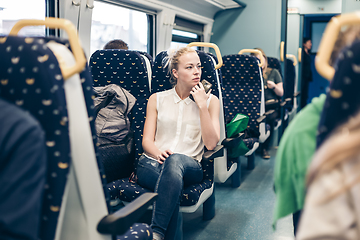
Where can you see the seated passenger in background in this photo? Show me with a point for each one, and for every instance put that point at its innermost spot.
(332, 207)
(274, 90)
(175, 133)
(22, 173)
(116, 44)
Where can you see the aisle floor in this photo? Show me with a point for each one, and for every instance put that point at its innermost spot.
(244, 212)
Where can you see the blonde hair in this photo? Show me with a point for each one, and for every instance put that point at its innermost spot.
(266, 60)
(340, 148)
(174, 59)
(346, 37)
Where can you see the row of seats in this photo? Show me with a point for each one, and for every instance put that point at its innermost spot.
(56, 103)
(241, 79)
(75, 203)
(127, 69)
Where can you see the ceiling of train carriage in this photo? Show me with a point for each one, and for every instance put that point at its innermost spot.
(206, 8)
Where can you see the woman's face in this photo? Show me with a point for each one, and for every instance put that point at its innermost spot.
(189, 69)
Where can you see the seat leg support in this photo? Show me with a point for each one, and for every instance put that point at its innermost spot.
(209, 207)
(251, 162)
(236, 176)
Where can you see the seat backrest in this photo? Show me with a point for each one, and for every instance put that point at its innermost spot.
(275, 63)
(342, 100)
(243, 88)
(87, 189)
(127, 69)
(31, 78)
(289, 83)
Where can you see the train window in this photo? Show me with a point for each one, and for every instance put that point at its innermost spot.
(10, 13)
(317, 30)
(185, 32)
(182, 38)
(110, 21)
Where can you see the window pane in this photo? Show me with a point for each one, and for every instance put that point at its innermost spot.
(184, 34)
(111, 22)
(318, 29)
(177, 45)
(12, 11)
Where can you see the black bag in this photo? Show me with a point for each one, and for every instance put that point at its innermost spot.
(115, 136)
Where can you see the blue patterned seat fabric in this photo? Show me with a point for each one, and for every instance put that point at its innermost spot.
(342, 100)
(289, 85)
(230, 161)
(30, 78)
(39, 89)
(137, 230)
(275, 63)
(127, 69)
(242, 90)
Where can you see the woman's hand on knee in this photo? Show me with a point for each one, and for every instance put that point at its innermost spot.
(163, 155)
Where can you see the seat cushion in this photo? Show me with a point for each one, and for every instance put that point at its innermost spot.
(127, 191)
(137, 231)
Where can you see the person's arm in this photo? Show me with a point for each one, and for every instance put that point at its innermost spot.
(148, 141)
(275, 83)
(209, 117)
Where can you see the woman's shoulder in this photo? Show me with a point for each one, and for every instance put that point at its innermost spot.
(162, 93)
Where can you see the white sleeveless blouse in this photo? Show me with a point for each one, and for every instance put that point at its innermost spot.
(178, 125)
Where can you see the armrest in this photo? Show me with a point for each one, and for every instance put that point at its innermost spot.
(232, 142)
(272, 103)
(263, 117)
(120, 221)
(269, 112)
(211, 154)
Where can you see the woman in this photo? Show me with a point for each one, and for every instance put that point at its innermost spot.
(175, 133)
(332, 207)
(273, 90)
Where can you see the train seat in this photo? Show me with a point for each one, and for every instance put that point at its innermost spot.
(225, 166)
(290, 89)
(196, 195)
(275, 64)
(193, 196)
(128, 64)
(243, 93)
(32, 79)
(129, 70)
(26, 82)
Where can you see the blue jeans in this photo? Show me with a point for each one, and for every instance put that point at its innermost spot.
(168, 180)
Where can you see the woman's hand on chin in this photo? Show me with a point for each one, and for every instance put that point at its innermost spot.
(199, 95)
